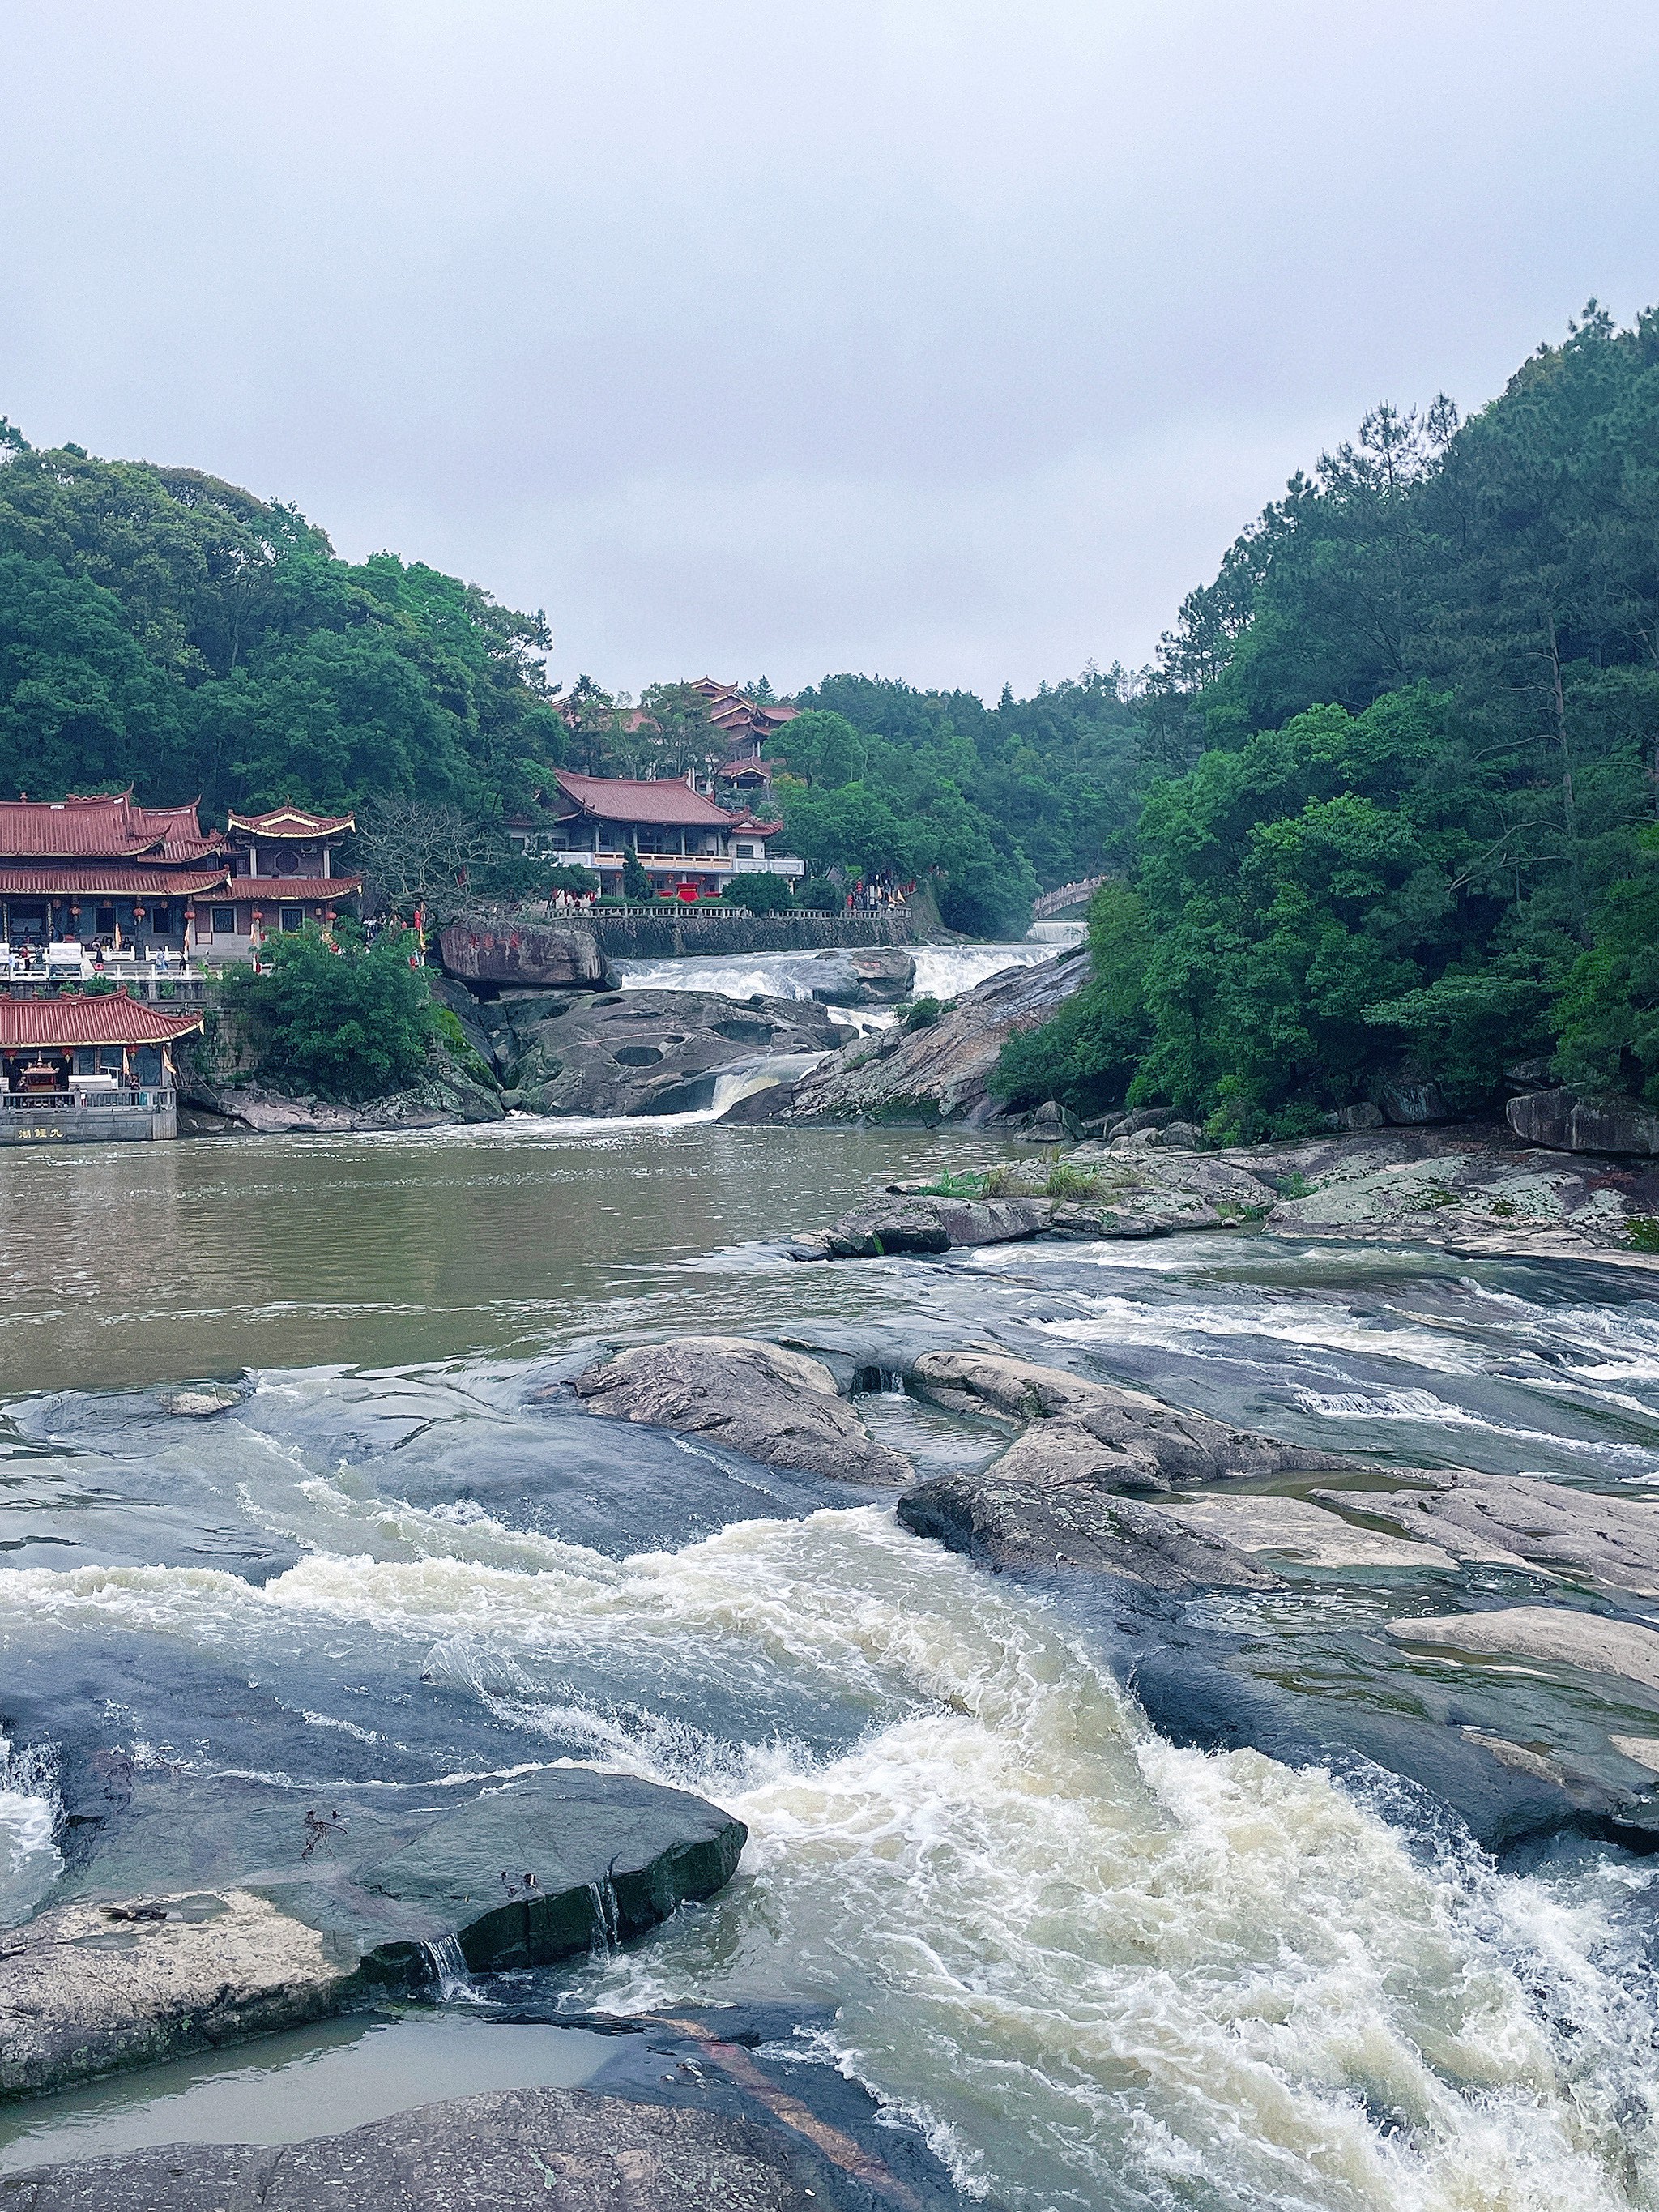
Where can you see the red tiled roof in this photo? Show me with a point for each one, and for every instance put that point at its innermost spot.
(105, 879)
(267, 890)
(622, 799)
(110, 1019)
(108, 826)
(292, 822)
(748, 766)
(753, 822)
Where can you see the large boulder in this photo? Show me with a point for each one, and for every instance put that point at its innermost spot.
(939, 1073)
(863, 975)
(1568, 1121)
(314, 1916)
(514, 949)
(1073, 1488)
(642, 1052)
(892, 1224)
(516, 2150)
(1409, 1101)
(753, 1397)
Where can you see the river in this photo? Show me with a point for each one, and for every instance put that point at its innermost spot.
(1097, 1970)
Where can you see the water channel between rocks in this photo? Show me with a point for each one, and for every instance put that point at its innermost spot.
(1099, 1970)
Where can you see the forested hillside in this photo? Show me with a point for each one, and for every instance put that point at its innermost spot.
(1420, 702)
(162, 629)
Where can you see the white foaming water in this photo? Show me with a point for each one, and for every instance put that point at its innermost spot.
(1101, 1971)
(943, 971)
(29, 1859)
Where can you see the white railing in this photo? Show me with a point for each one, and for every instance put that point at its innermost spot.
(153, 1101)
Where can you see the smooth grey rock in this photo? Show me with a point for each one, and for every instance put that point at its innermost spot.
(1552, 1633)
(865, 975)
(554, 2150)
(1566, 1121)
(1145, 1117)
(1294, 1529)
(1518, 1521)
(1364, 1115)
(1181, 1136)
(1055, 1497)
(753, 1397)
(86, 1988)
(885, 1225)
(515, 948)
(1073, 1524)
(523, 1873)
(938, 1073)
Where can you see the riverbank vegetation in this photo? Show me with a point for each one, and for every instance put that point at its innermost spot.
(1416, 721)
(344, 1020)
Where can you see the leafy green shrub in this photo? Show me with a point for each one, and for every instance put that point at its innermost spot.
(759, 894)
(1067, 1181)
(447, 1024)
(1642, 1233)
(348, 1020)
(966, 1183)
(1086, 1056)
(922, 1013)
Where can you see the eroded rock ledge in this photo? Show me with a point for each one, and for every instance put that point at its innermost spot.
(1082, 1485)
(106, 1981)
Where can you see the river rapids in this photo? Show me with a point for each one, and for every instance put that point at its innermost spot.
(1098, 1971)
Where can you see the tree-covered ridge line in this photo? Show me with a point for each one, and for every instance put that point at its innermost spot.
(1412, 732)
(163, 628)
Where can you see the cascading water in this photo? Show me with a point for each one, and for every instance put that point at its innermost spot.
(943, 971)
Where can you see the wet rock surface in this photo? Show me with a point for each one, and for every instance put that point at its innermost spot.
(937, 1073)
(639, 1052)
(1056, 1498)
(293, 1921)
(867, 976)
(1519, 1521)
(559, 2150)
(755, 1398)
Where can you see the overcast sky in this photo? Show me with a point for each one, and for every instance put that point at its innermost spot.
(932, 338)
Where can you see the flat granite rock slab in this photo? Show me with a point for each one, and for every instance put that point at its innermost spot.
(1292, 1528)
(772, 1405)
(1519, 1521)
(1554, 1634)
(85, 1988)
(556, 2150)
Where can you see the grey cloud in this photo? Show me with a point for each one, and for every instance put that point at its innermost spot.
(949, 339)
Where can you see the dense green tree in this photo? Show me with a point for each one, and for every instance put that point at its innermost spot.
(341, 1017)
(1411, 738)
(201, 640)
(821, 748)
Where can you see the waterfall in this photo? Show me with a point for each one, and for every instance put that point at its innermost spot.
(450, 1973)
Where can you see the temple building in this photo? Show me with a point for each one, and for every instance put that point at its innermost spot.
(282, 876)
(149, 882)
(689, 846)
(744, 779)
(82, 1069)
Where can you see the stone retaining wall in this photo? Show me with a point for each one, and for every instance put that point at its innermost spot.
(642, 935)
